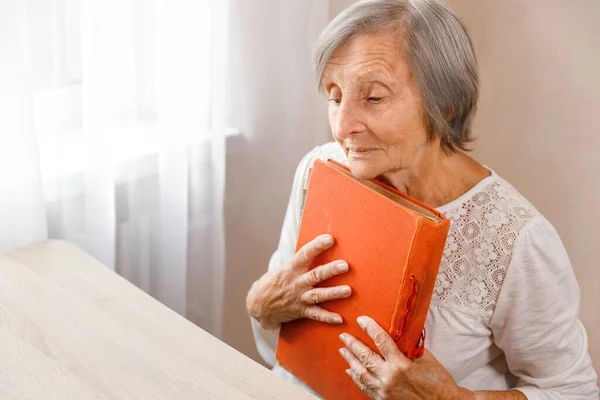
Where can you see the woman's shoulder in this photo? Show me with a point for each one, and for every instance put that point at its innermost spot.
(488, 225)
(493, 204)
(531, 228)
(507, 201)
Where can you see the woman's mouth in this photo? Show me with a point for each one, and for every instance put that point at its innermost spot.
(359, 152)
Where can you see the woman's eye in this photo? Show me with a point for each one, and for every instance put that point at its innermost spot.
(375, 99)
(336, 101)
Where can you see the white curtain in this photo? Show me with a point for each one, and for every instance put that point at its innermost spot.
(112, 136)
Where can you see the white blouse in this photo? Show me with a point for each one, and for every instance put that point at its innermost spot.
(504, 312)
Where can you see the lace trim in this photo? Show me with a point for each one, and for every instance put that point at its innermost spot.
(483, 232)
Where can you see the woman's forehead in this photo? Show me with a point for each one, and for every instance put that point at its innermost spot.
(366, 57)
(375, 70)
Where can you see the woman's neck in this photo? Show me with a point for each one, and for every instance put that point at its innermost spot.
(436, 177)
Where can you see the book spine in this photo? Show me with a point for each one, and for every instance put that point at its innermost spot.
(418, 284)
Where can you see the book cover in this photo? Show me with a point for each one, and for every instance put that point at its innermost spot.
(393, 245)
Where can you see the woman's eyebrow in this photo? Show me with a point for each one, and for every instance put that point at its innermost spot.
(368, 78)
(373, 78)
(376, 82)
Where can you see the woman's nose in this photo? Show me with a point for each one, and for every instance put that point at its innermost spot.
(347, 121)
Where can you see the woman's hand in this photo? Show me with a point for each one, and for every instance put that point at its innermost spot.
(288, 293)
(395, 376)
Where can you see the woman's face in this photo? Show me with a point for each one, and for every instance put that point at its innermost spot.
(375, 110)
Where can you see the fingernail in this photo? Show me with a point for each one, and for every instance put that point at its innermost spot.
(337, 320)
(361, 321)
(349, 372)
(344, 337)
(342, 350)
(327, 240)
(346, 290)
(342, 267)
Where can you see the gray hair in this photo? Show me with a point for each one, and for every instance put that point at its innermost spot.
(439, 53)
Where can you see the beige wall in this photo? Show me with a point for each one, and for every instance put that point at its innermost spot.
(538, 122)
(336, 6)
(275, 105)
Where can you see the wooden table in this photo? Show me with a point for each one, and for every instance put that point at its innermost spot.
(72, 329)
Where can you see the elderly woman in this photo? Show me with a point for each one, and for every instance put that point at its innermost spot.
(401, 79)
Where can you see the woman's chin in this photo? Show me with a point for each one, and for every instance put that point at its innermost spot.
(363, 170)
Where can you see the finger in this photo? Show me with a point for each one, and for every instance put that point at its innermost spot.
(370, 391)
(305, 256)
(317, 313)
(362, 373)
(362, 354)
(324, 272)
(321, 295)
(380, 337)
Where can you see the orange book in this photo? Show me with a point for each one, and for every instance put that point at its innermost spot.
(394, 246)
